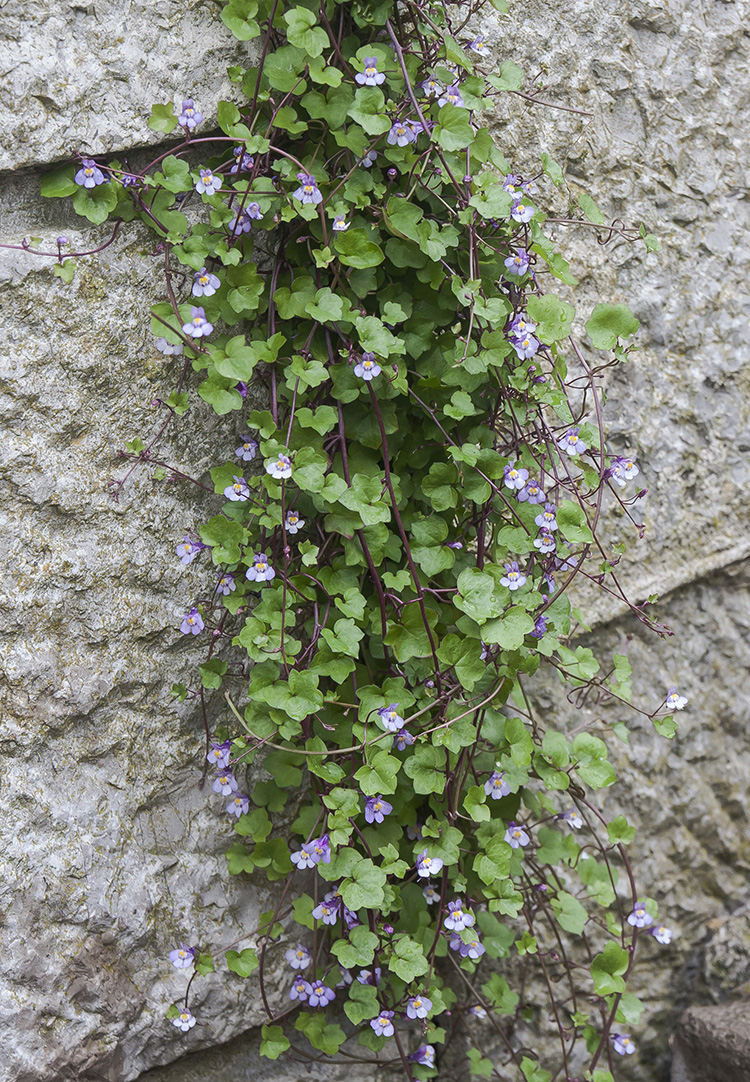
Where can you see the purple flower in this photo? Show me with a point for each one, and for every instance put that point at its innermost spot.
(225, 783)
(205, 284)
(511, 182)
(623, 1044)
(427, 866)
(478, 46)
(298, 957)
(474, 949)
(369, 159)
(484, 653)
(189, 118)
(431, 87)
(522, 212)
(340, 224)
(571, 442)
(346, 978)
(639, 918)
(293, 523)
(300, 990)
(520, 326)
(367, 976)
(540, 628)
(89, 175)
(451, 96)
(458, 918)
(187, 550)
(515, 478)
(390, 717)
(376, 809)
(513, 578)
(529, 187)
(415, 126)
(402, 739)
(260, 569)
(382, 1024)
(367, 368)
(546, 519)
(531, 492)
(192, 623)
(219, 754)
(414, 834)
(226, 584)
(308, 191)
(516, 836)
(675, 701)
(526, 346)
(280, 466)
(496, 786)
(248, 449)
(371, 76)
(244, 218)
(401, 134)
(182, 957)
(518, 264)
(209, 183)
(243, 161)
(573, 818)
(622, 470)
(431, 895)
(320, 994)
(239, 805)
(418, 1006)
(545, 542)
(661, 933)
(478, 1011)
(425, 1055)
(238, 491)
(313, 853)
(329, 914)
(185, 1020)
(167, 348)
(129, 180)
(198, 327)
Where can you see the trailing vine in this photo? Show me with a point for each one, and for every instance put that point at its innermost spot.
(392, 559)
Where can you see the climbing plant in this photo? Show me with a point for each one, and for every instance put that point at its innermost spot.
(393, 544)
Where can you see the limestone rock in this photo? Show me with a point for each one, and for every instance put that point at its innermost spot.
(711, 1044)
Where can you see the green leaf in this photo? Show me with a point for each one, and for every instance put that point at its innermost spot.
(358, 950)
(65, 271)
(610, 322)
(96, 204)
(552, 316)
(606, 969)
(379, 774)
(60, 183)
(509, 630)
(274, 1042)
(510, 77)
(355, 249)
(162, 118)
(426, 768)
(453, 130)
(479, 1064)
(570, 914)
(499, 994)
(572, 522)
(368, 110)
(408, 960)
(619, 830)
(303, 33)
(552, 169)
(362, 1003)
(479, 595)
(237, 16)
(590, 209)
(243, 962)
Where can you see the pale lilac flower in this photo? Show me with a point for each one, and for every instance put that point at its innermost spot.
(401, 134)
(402, 739)
(376, 808)
(329, 914)
(484, 652)
(89, 175)
(418, 1006)
(415, 126)
(571, 442)
(371, 75)
(390, 717)
(130, 180)
(474, 949)
(303, 858)
(478, 1011)
(531, 492)
(427, 866)
(205, 283)
(308, 191)
(540, 628)
(511, 182)
(243, 161)
(198, 327)
(478, 46)
(516, 836)
(298, 957)
(382, 1024)
(425, 1055)
(545, 542)
(458, 918)
(675, 701)
(518, 264)
(451, 96)
(431, 895)
(431, 87)
(515, 478)
(226, 584)
(346, 978)
(238, 491)
(167, 348)
(239, 805)
(513, 578)
(219, 754)
(300, 990)
(185, 1020)
(573, 818)
(209, 183)
(183, 956)
(187, 550)
(366, 976)
(192, 623)
(414, 834)
(661, 934)
(260, 569)
(320, 994)
(529, 187)
(522, 212)
(225, 783)
(525, 346)
(367, 368)
(640, 918)
(280, 466)
(546, 519)
(189, 118)
(293, 523)
(369, 159)
(340, 224)
(623, 1044)
(496, 786)
(247, 450)
(622, 470)
(521, 325)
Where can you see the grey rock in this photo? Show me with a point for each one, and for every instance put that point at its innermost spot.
(711, 1044)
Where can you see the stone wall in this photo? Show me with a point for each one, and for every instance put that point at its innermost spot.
(109, 852)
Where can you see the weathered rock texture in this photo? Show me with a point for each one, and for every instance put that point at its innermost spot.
(109, 852)
(711, 1044)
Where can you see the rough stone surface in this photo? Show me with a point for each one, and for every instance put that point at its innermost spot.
(711, 1044)
(109, 853)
